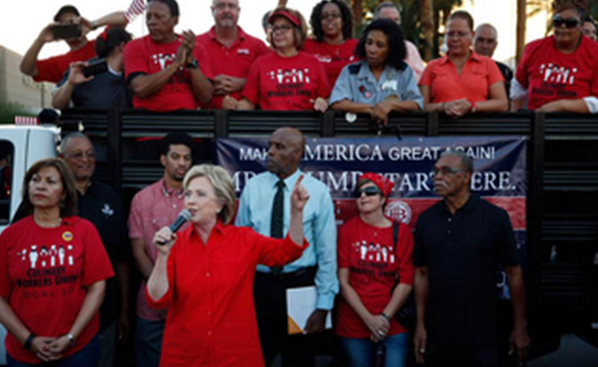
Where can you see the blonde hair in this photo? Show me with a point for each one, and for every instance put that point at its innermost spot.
(223, 187)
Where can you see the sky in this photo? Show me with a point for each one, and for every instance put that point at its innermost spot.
(26, 18)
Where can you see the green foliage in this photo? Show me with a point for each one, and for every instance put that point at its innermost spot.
(8, 110)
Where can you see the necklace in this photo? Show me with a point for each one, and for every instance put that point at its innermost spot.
(53, 224)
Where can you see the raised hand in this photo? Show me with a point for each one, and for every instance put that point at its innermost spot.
(299, 196)
(189, 43)
(76, 76)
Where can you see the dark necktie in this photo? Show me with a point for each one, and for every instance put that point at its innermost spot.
(277, 220)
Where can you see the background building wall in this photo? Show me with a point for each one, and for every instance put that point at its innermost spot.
(18, 88)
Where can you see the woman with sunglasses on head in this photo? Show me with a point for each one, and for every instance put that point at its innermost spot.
(286, 79)
(369, 265)
(331, 23)
(559, 73)
(462, 81)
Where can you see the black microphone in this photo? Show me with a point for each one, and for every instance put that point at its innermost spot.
(181, 219)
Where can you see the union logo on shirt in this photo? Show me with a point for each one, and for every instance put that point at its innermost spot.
(374, 252)
(42, 256)
(290, 76)
(67, 236)
(552, 73)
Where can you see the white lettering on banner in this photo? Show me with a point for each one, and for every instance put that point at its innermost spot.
(346, 181)
(370, 153)
(343, 152)
(253, 154)
(240, 178)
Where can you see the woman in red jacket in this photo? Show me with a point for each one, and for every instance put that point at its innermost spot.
(205, 275)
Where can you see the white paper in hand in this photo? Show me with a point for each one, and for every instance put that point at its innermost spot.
(301, 303)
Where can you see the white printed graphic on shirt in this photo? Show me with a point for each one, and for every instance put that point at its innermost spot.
(44, 257)
(374, 252)
(290, 76)
(560, 75)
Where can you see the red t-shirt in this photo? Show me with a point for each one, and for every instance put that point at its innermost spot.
(478, 74)
(145, 56)
(333, 57)
(286, 83)
(233, 61)
(53, 68)
(43, 275)
(374, 264)
(211, 314)
(550, 75)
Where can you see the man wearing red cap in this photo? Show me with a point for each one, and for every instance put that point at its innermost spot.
(231, 51)
(459, 243)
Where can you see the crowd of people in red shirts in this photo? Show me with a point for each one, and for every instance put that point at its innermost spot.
(378, 73)
(226, 68)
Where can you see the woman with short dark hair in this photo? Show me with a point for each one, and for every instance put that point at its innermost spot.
(53, 268)
(381, 82)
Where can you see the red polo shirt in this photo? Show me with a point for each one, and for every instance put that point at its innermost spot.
(478, 74)
(233, 61)
(211, 314)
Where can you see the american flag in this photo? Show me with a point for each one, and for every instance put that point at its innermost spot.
(26, 120)
(136, 8)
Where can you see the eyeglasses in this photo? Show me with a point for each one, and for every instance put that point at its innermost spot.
(331, 15)
(452, 34)
(572, 22)
(80, 155)
(488, 41)
(284, 28)
(368, 191)
(445, 170)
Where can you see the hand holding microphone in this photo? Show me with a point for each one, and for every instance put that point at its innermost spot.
(166, 237)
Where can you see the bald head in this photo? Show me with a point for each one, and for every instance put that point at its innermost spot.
(485, 39)
(285, 151)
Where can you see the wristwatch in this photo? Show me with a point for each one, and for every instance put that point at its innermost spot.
(71, 339)
(193, 64)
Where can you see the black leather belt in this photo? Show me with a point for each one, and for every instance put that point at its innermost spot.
(293, 274)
